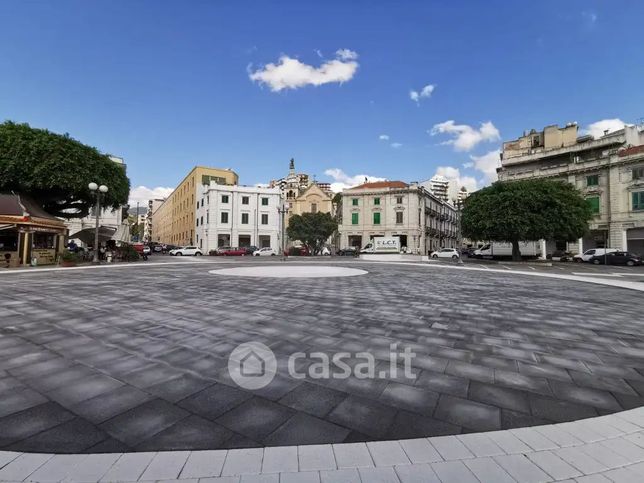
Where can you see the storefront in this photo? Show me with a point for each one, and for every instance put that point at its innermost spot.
(28, 234)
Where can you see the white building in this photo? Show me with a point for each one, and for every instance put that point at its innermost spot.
(153, 206)
(109, 218)
(237, 216)
(422, 221)
(438, 186)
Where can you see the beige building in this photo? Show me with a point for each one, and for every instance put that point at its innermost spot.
(393, 208)
(609, 171)
(174, 221)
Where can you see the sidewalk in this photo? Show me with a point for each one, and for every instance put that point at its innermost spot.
(606, 448)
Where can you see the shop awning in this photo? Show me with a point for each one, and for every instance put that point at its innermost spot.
(87, 236)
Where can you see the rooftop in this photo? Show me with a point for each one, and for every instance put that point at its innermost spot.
(381, 185)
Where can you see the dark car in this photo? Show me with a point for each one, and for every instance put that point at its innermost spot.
(347, 252)
(617, 258)
(251, 249)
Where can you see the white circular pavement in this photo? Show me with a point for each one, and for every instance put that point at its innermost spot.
(290, 271)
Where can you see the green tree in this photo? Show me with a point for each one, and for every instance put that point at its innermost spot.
(312, 229)
(526, 210)
(55, 170)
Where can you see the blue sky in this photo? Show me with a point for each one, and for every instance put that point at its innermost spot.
(168, 85)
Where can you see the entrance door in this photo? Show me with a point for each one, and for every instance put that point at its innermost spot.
(244, 240)
(355, 241)
(264, 241)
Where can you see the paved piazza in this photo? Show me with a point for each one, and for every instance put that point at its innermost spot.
(135, 358)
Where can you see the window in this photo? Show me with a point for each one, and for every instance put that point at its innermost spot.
(245, 200)
(592, 180)
(354, 201)
(638, 173)
(197, 221)
(224, 217)
(207, 217)
(638, 200)
(593, 202)
(399, 217)
(376, 201)
(354, 218)
(202, 202)
(399, 200)
(314, 208)
(264, 201)
(202, 220)
(44, 241)
(376, 218)
(224, 198)
(244, 219)
(264, 219)
(9, 241)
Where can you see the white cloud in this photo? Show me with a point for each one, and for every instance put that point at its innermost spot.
(290, 73)
(468, 165)
(343, 181)
(597, 129)
(396, 145)
(425, 92)
(346, 54)
(487, 164)
(589, 17)
(143, 194)
(384, 137)
(464, 137)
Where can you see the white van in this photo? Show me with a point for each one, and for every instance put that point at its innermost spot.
(592, 252)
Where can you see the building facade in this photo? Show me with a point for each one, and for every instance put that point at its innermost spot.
(174, 221)
(393, 208)
(609, 171)
(438, 186)
(153, 206)
(238, 216)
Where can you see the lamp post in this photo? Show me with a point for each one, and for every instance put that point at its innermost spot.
(97, 191)
(460, 234)
(282, 211)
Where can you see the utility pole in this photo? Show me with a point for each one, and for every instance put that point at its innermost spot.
(282, 211)
(460, 233)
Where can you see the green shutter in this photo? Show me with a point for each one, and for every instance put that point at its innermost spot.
(376, 201)
(376, 218)
(593, 203)
(354, 218)
(638, 200)
(354, 201)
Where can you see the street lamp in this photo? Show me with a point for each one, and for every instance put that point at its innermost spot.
(282, 211)
(97, 191)
(460, 233)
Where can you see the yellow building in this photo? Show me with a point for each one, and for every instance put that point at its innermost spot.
(174, 222)
(312, 200)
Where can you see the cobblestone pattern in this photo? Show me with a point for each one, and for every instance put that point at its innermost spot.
(136, 360)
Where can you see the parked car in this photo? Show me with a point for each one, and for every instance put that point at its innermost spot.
(142, 249)
(264, 252)
(251, 249)
(231, 252)
(588, 254)
(617, 258)
(187, 251)
(347, 252)
(446, 253)
(302, 250)
(325, 251)
(157, 248)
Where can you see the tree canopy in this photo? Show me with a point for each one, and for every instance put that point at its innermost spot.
(55, 170)
(312, 229)
(535, 209)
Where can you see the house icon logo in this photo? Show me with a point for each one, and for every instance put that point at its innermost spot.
(252, 365)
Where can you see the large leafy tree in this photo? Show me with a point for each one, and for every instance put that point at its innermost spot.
(516, 211)
(55, 170)
(312, 229)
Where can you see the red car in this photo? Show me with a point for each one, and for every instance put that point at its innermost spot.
(231, 252)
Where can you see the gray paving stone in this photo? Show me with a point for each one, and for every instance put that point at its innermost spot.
(553, 465)
(387, 453)
(214, 401)
(75, 436)
(521, 468)
(23, 466)
(340, 476)
(451, 448)
(313, 399)
(165, 466)
(499, 396)
(378, 475)
(364, 415)
(21, 425)
(411, 398)
(487, 470)
(243, 461)
(453, 471)
(421, 473)
(470, 414)
(190, 433)
(305, 429)
(301, 477)
(107, 405)
(92, 468)
(352, 455)
(443, 383)
(255, 418)
(203, 464)
(316, 457)
(129, 467)
(280, 460)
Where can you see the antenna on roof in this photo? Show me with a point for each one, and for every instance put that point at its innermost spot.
(366, 180)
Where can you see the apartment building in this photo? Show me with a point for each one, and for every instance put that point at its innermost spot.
(393, 208)
(238, 216)
(174, 221)
(608, 170)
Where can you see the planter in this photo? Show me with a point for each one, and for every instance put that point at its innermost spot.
(67, 263)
